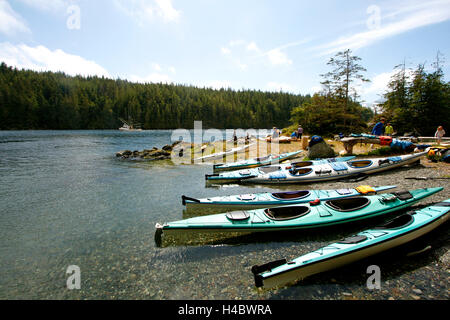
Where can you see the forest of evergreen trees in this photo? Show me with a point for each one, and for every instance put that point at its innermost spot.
(47, 100)
(415, 101)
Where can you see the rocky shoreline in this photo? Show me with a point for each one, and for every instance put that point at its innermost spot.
(148, 154)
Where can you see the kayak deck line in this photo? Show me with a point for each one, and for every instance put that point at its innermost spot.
(395, 232)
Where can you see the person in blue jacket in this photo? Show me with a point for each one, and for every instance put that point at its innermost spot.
(378, 129)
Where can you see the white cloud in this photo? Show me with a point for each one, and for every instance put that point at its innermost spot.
(41, 58)
(277, 57)
(10, 22)
(225, 51)
(245, 53)
(407, 17)
(157, 75)
(253, 47)
(379, 83)
(156, 67)
(166, 10)
(143, 11)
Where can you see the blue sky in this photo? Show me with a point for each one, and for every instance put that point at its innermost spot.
(246, 44)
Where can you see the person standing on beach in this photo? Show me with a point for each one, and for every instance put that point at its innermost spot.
(378, 129)
(275, 133)
(389, 131)
(439, 134)
(299, 132)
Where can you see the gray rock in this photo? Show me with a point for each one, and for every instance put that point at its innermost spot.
(320, 150)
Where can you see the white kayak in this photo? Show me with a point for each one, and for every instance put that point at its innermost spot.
(256, 162)
(220, 155)
(238, 175)
(331, 171)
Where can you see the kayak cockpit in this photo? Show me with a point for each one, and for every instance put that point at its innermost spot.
(286, 213)
(300, 171)
(397, 223)
(357, 164)
(293, 195)
(348, 204)
(302, 164)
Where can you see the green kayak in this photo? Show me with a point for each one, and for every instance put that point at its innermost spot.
(307, 215)
(396, 232)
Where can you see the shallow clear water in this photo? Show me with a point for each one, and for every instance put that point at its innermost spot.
(67, 200)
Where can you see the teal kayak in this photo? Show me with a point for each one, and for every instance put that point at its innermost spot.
(301, 216)
(256, 162)
(252, 173)
(276, 199)
(396, 232)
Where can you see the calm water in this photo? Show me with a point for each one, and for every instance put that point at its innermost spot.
(66, 200)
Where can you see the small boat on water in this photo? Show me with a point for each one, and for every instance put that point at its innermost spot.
(220, 155)
(316, 172)
(239, 175)
(129, 126)
(301, 216)
(396, 232)
(276, 199)
(256, 162)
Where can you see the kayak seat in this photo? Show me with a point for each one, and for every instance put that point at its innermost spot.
(396, 223)
(293, 195)
(360, 163)
(300, 171)
(269, 169)
(302, 164)
(354, 239)
(403, 195)
(237, 215)
(348, 204)
(287, 213)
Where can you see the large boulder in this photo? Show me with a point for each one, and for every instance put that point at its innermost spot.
(320, 150)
